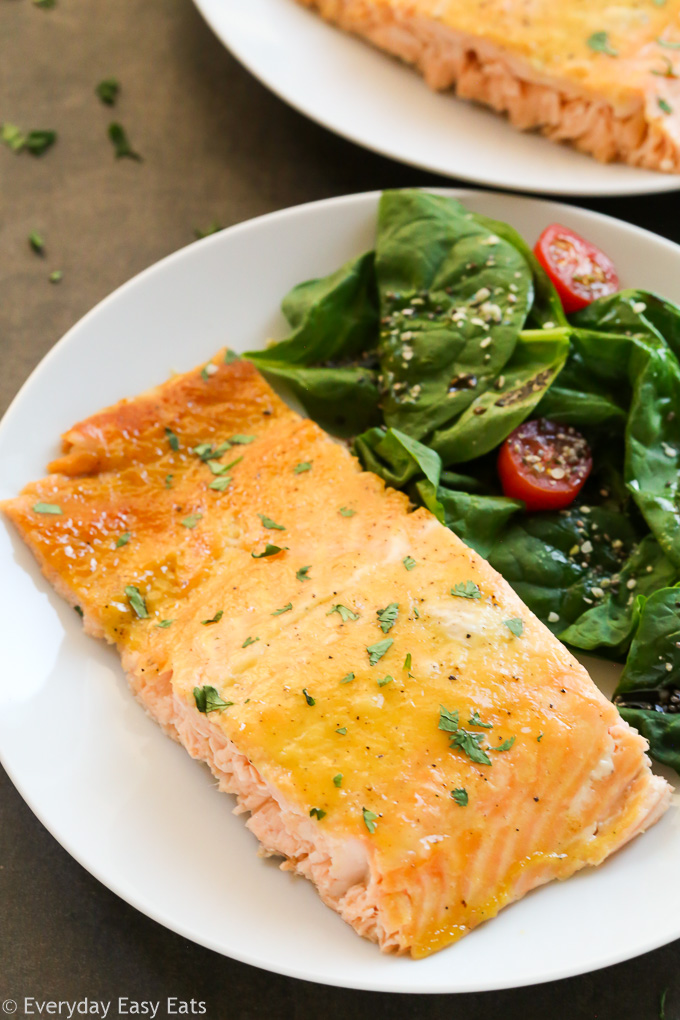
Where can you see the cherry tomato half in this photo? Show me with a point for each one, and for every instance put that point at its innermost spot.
(545, 464)
(580, 271)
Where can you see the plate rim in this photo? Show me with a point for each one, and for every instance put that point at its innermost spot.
(139, 902)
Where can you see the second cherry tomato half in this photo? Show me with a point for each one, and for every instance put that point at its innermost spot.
(580, 271)
(545, 464)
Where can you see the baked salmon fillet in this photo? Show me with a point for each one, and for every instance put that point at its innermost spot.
(602, 76)
(399, 726)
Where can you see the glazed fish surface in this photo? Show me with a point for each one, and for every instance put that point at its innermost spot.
(602, 76)
(399, 726)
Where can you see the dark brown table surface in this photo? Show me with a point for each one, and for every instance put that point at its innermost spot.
(217, 146)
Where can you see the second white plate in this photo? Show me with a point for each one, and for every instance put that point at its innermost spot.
(369, 98)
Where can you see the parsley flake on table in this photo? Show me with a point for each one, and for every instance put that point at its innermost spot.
(337, 780)
(505, 746)
(467, 590)
(267, 522)
(515, 626)
(346, 511)
(474, 720)
(214, 619)
(107, 90)
(284, 609)
(136, 601)
(387, 617)
(385, 680)
(208, 700)
(164, 624)
(172, 439)
(56, 276)
(47, 508)
(347, 678)
(220, 484)
(304, 465)
(269, 550)
(344, 612)
(121, 143)
(79, 611)
(213, 228)
(370, 818)
(599, 43)
(12, 136)
(249, 641)
(191, 520)
(460, 796)
(45, 4)
(448, 721)
(301, 574)
(123, 539)
(37, 242)
(308, 697)
(409, 562)
(342, 730)
(319, 812)
(36, 142)
(376, 651)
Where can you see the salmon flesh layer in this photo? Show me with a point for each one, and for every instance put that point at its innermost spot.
(402, 730)
(602, 76)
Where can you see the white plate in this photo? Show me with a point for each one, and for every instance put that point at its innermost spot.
(376, 101)
(129, 804)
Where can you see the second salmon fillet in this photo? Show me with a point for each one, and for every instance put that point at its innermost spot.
(402, 730)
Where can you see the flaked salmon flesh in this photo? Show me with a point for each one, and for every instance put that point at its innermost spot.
(332, 660)
(604, 77)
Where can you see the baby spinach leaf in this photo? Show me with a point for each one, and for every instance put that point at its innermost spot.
(581, 408)
(453, 298)
(537, 359)
(478, 520)
(397, 458)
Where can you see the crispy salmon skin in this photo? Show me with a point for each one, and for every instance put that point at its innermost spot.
(402, 730)
(599, 75)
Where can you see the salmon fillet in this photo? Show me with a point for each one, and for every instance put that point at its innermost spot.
(399, 726)
(602, 76)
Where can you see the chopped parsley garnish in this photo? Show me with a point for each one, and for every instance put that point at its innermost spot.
(214, 619)
(308, 697)
(242, 440)
(460, 796)
(474, 720)
(46, 4)
(219, 469)
(79, 611)
(669, 71)
(208, 371)
(415, 612)
(347, 678)
(136, 601)
(301, 574)
(663, 105)
(108, 90)
(269, 550)
(467, 590)
(387, 617)
(12, 136)
(347, 512)
(407, 662)
(342, 730)
(370, 818)
(319, 812)
(206, 450)
(539, 738)
(337, 780)
(172, 439)
(213, 228)
(409, 562)
(469, 745)
(267, 522)
(37, 242)
(515, 626)
(47, 508)
(121, 143)
(376, 651)
(55, 276)
(344, 612)
(168, 481)
(220, 484)
(448, 721)
(304, 465)
(230, 356)
(164, 624)
(123, 539)
(284, 609)
(191, 520)
(505, 746)
(208, 700)
(599, 42)
(385, 680)
(36, 142)
(668, 44)
(249, 641)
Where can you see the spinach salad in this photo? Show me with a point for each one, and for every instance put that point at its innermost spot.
(429, 351)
